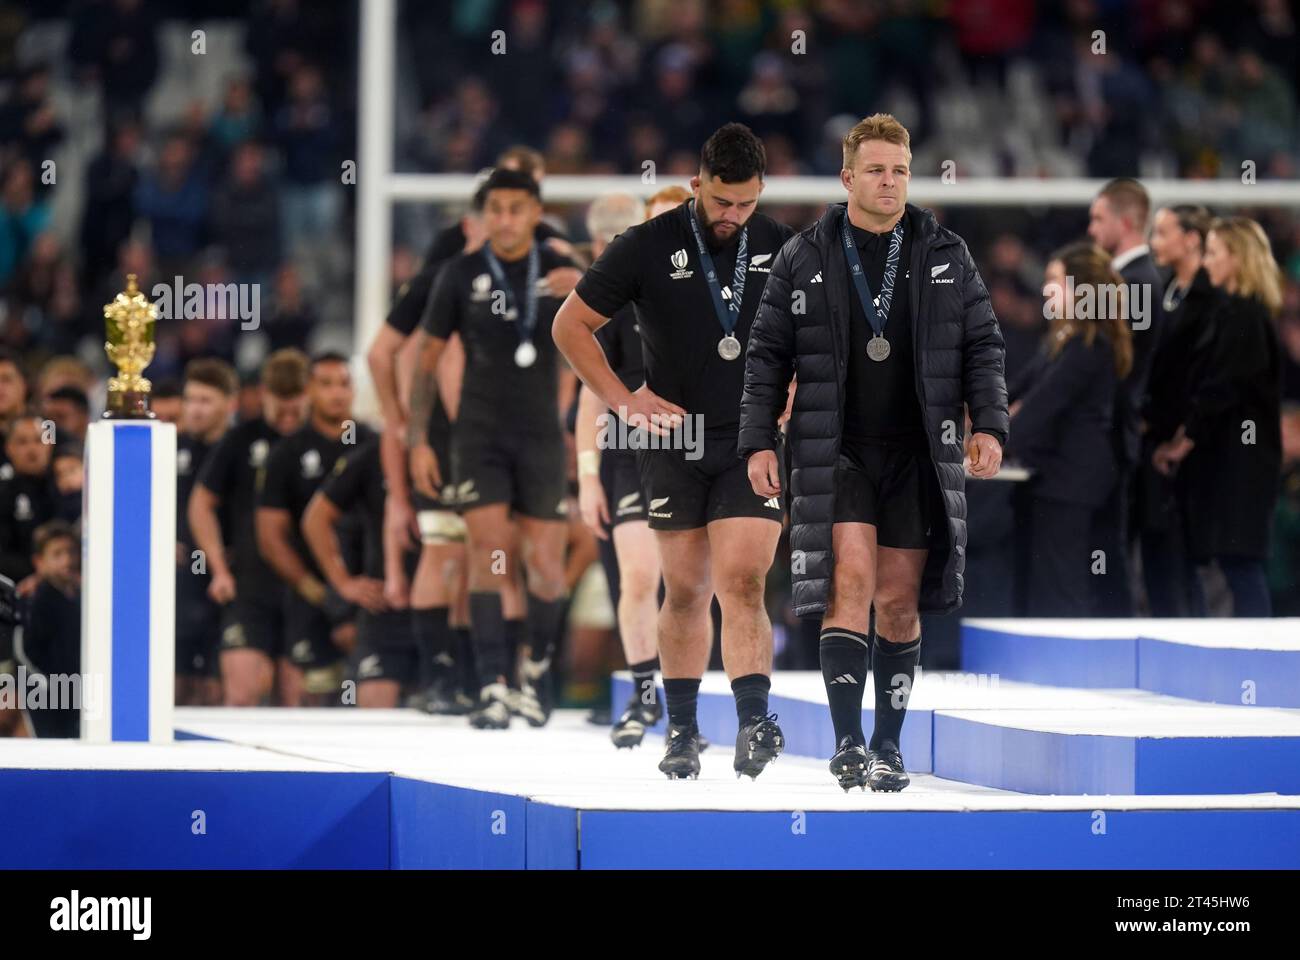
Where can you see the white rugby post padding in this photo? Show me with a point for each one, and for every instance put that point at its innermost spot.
(128, 576)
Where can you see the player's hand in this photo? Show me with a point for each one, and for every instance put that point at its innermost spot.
(221, 589)
(764, 473)
(344, 636)
(559, 283)
(985, 455)
(399, 522)
(645, 408)
(27, 585)
(365, 592)
(425, 474)
(1172, 452)
(593, 506)
(397, 591)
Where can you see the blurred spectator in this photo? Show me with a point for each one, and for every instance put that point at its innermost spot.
(174, 199)
(246, 216)
(60, 372)
(51, 639)
(27, 122)
(13, 392)
(69, 410)
(27, 498)
(22, 217)
(308, 137)
(69, 470)
(115, 46)
(109, 208)
(44, 301)
(1230, 438)
(1062, 407)
(239, 119)
(293, 318)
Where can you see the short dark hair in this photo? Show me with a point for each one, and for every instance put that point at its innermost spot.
(51, 531)
(733, 154)
(328, 356)
(213, 372)
(74, 395)
(503, 179)
(1128, 196)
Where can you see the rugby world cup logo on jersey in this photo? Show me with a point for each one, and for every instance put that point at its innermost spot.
(622, 430)
(679, 261)
(257, 452)
(311, 464)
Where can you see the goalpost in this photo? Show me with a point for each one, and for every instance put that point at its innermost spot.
(381, 187)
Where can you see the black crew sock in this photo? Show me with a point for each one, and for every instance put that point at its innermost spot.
(643, 680)
(466, 659)
(894, 666)
(844, 656)
(751, 692)
(547, 618)
(515, 630)
(435, 643)
(489, 630)
(681, 694)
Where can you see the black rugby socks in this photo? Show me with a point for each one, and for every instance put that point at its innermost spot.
(893, 665)
(844, 655)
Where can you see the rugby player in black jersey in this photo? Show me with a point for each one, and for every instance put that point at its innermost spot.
(507, 446)
(207, 403)
(696, 276)
(384, 662)
(436, 594)
(314, 615)
(222, 509)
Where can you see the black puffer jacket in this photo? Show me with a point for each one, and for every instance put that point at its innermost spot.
(802, 328)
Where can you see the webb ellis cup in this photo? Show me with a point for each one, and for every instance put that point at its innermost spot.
(129, 320)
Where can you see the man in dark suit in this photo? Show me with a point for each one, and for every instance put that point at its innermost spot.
(1117, 222)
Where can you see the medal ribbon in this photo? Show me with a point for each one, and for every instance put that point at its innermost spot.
(875, 318)
(728, 313)
(528, 319)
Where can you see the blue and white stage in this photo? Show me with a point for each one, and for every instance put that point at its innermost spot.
(1063, 747)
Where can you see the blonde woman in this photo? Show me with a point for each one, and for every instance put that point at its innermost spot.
(1062, 419)
(1229, 447)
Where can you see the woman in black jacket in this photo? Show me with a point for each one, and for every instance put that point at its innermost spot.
(1062, 416)
(1229, 446)
(1190, 300)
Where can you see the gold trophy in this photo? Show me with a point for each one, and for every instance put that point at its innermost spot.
(130, 323)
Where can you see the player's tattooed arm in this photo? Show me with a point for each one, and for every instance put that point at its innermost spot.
(426, 473)
(424, 390)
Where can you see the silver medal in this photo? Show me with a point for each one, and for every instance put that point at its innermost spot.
(525, 354)
(877, 348)
(729, 347)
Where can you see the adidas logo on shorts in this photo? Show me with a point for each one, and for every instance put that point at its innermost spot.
(773, 502)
